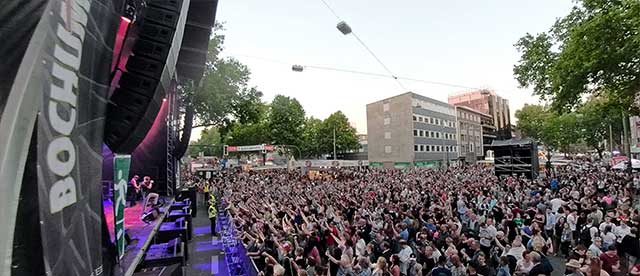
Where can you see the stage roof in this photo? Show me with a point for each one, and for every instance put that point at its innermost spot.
(512, 142)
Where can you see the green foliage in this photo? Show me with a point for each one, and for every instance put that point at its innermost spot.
(346, 137)
(597, 115)
(561, 131)
(595, 49)
(223, 97)
(589, 123)
(311, 138)
(208, 143)
(286, 121)
(248, 134)
(531, 120)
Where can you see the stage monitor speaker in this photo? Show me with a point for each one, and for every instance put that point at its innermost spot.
(170, 270)
(151, 215)
(136, 101)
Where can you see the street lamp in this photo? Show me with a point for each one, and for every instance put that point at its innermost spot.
(344, 28)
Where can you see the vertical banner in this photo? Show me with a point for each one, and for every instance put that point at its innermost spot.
(73, 75)
(121, 164)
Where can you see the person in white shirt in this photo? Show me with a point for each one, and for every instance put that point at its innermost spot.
(607, 222)
(404, 255)
(487, 234)
(621, 230)
(550, 222)
(595, 247)
(556, 203)
(572, 220)
(608, 238)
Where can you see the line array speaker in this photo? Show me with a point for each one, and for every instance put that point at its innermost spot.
(137, 99)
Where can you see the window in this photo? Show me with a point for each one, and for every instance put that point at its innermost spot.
(387, 135)
(415, 147)
(431, 120)
(433, 134)
(438, 148)
(433, 148)
(426, 148)
(471, 147)
(385, 107)
(414, 118)
(415, 132)
(421, 133)
(387, 149)
(421, 147)
(387, 121)
(420, 119)
(437, 135)
(437, 121)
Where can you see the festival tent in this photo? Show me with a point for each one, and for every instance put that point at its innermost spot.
(635, 163)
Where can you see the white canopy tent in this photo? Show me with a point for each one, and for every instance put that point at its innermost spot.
(635, 164)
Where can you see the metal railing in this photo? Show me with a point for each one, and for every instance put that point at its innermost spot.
(234, 251)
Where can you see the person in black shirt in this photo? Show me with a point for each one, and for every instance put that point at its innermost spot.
(482, 266)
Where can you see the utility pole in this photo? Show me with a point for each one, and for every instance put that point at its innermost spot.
(626, 142)
(610, 139)
(334, 144)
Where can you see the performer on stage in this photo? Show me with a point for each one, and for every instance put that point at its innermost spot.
(133, 191)
(145, 187)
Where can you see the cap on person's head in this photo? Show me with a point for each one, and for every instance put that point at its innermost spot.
(403, 242)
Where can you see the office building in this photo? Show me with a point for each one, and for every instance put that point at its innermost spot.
(487, 101)
(488, 131)
(411, 130)
(470, 145)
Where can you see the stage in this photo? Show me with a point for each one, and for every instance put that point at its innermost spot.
(206, 252)
(137, 229)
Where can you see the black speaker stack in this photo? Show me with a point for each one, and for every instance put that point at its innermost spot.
(516, 157)
(139, 94)
(170, 243)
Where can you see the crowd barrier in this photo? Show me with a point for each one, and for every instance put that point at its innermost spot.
(234, 252)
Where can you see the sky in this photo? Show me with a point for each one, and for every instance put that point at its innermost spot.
(463, 42)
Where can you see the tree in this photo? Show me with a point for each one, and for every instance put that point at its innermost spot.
(555, 131)
(592, 50)
(597, 115)
(208, 143)
(345, 134)
(248, 134)
(561, 131)
(221, 98)
(311, 146)
(286, 121)
(531, 120)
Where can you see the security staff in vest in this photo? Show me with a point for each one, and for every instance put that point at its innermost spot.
(213, 213)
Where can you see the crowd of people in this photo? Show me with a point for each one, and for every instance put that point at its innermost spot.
(454, 221)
